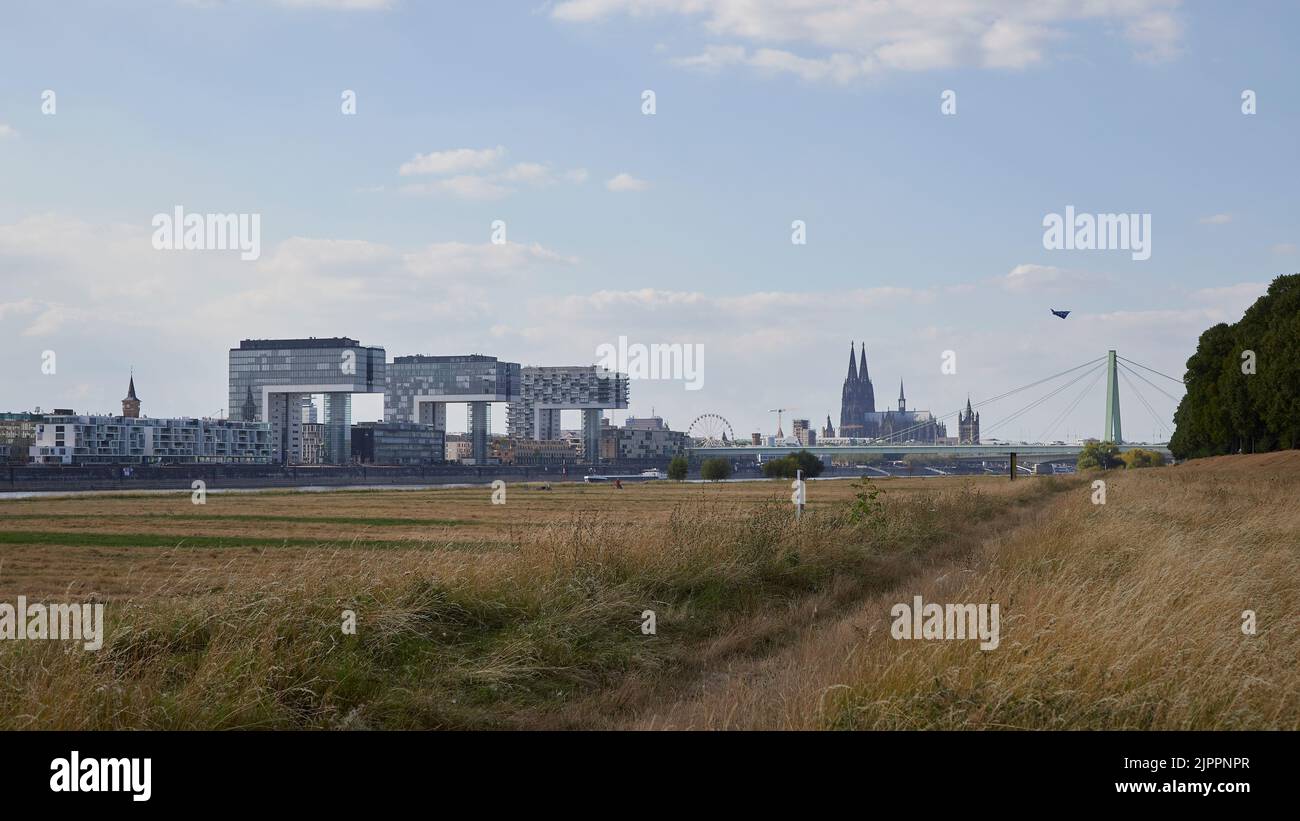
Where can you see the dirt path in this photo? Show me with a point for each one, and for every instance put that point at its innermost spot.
(753, 675)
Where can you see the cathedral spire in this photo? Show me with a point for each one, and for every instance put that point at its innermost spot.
(862, 371)
(902, 403)
(853, 365)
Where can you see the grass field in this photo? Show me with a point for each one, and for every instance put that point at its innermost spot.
(529, 614)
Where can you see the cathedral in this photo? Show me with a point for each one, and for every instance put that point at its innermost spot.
(859, 418)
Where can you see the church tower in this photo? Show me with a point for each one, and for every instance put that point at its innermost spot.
(851, 399)
(902, 403)
(868, 390)
(968, 426)
(249, 410)
(131, 404)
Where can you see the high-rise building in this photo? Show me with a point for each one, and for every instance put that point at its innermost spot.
(270, 377)
(802, 430)
(418, 389)
(546, 391)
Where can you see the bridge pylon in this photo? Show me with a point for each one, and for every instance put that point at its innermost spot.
(1112, 425)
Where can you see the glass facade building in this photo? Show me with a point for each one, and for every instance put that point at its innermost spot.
(419, 387)
(270, 377)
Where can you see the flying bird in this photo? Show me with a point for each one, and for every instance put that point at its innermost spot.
(1061, 314)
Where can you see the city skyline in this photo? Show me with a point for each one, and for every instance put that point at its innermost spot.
(924, 231)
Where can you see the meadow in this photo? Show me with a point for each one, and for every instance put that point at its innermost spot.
(532, 614)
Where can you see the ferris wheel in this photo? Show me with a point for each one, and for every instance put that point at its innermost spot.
(711, 430)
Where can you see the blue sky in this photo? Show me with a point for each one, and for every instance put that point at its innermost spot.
(924, 230)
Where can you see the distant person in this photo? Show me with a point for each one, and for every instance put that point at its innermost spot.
(618, 484)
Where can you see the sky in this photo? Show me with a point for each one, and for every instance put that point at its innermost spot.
(924, 223)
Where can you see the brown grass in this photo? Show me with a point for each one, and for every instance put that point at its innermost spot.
(528, 614)
(1123, 616)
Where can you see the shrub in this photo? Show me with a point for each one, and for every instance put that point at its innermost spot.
(678, 468)
(716, 469)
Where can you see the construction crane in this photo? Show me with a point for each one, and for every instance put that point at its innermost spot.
(780, 434)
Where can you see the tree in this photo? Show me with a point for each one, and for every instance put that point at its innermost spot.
(788, 466)
(1142, 458)
(1099, 455)
(715, 469)
(678, 467)
(1228, 408)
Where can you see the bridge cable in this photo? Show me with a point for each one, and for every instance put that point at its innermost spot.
(893, 437)
(1153, 370)
(1073, 405)
(1039, 401)
(1172, 398)
(1159, 422)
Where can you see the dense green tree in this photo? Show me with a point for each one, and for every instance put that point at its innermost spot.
(715, 470)
(678, 467)
(1229, 410)
(788, 466)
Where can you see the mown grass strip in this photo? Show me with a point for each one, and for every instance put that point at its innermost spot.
(381, 521)
(83, 539)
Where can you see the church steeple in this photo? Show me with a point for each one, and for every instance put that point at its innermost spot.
(853, 364)
(862, 371)
(131, 404)
(902, 403)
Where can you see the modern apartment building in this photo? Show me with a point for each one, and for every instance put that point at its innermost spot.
(546, 391)
(270, 377)
(89, 440)
(643, 438)
(418, 389)
(17, 434)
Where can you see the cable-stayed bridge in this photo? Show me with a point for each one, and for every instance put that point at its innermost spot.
(1112, 367)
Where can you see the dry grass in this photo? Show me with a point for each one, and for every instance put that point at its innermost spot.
(505, 633)
(1123, 616)
(528, 614)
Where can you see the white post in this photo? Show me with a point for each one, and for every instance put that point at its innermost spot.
(800, 495)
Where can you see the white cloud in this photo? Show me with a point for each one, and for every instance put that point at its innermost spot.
(626, 182)
(455, 161)
(465, 186)
(842, 40)
(1284, 248)
(1028, 277)
(1216, 219)
(475, 174)
(7, 131)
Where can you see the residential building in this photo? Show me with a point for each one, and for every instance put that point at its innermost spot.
(86, 440)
